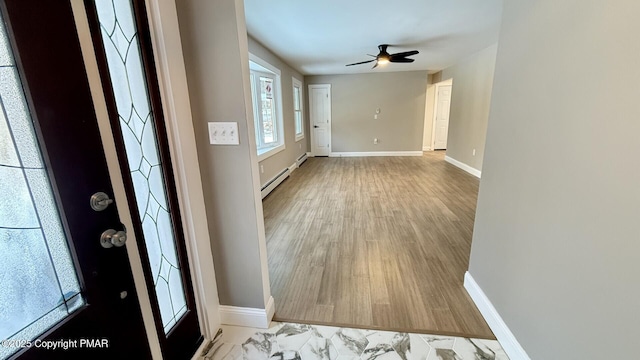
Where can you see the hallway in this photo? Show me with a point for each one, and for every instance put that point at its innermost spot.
(374, 242)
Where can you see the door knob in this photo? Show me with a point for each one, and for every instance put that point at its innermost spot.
(111, 238)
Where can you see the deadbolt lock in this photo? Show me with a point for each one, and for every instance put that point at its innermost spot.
(100, 201)
(111, 238)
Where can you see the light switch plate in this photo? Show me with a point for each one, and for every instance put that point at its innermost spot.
(223, 133)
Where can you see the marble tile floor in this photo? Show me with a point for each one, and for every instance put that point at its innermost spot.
(289, 341)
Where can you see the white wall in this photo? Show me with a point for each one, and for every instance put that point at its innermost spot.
(556, 245)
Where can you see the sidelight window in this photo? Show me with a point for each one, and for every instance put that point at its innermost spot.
(138, 126)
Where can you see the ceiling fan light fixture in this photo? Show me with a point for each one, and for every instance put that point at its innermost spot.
(384, 57)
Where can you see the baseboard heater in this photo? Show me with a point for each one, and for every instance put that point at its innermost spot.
(273, 183)
(302, 159)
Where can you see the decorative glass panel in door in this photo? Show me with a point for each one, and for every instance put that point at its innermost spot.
(57, 282)
(39, 285)
(130, 85)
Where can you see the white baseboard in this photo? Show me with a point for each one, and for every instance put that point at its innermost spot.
(473, 171)
(248, 317)
(301, 159)
(309, 154)
(506, 338)
(426, 148)
(375, 153)
(293, 167)
(273, 183)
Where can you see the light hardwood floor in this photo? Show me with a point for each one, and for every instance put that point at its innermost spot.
(374, 242)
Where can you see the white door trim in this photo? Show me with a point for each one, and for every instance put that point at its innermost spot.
(172, 80)
(435, 109)
(312, 133)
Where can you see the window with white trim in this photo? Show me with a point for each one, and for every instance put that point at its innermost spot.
(297, 108)
(267, 105)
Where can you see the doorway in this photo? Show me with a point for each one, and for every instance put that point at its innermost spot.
(320, 119)
(441, 113)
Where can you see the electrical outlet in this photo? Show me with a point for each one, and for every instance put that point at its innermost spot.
(261, 169)
(299, 146)
(474, 152)
(375, 141)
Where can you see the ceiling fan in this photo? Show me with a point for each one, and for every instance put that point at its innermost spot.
(384, 57)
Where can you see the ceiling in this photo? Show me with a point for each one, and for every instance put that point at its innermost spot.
(319, 37)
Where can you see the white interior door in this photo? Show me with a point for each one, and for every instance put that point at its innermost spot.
(320, 114)
(443, 104)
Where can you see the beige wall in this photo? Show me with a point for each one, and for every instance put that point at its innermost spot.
(436, 78)
(470, 102)
(556, 245)
(354, 100)
(216, 59)
(275, 164)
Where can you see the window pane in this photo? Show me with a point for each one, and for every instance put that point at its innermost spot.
(297, 108)
(269, 134)
(122, 48)
(298, 115)
(38, 280)
(296, 98)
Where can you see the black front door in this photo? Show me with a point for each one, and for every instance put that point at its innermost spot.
(64, 293)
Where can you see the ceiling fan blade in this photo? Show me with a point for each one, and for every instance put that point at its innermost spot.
(405, 54)
(375, 65)
(401, 60)
(361, 62)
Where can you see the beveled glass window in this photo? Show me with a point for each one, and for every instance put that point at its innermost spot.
(38, 282)
(137, 124)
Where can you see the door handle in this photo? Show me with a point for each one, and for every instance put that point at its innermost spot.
(316, 126)
(111, 238)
